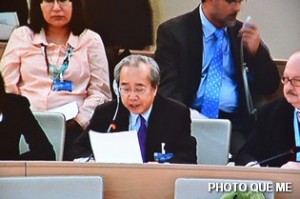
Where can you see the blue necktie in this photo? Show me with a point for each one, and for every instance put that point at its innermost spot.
(211, 99)
(142, 135)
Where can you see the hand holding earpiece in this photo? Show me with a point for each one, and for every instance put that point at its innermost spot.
(250, 36)
(248, 22)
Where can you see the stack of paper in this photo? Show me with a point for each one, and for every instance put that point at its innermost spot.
(117, 147)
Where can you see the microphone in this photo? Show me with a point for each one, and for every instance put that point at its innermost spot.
(291, 151)
(116, 90)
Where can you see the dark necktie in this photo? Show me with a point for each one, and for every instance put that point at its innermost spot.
(142, 135)
(211, 99)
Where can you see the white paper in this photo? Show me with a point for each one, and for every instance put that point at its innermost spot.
(197, 115)
(70, 110)
(117, 147)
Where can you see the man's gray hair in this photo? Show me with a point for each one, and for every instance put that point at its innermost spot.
(134, 61)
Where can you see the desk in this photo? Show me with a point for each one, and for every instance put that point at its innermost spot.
(150, 181)
(12, 168)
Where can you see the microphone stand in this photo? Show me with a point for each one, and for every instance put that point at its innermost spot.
(115, 87)
(116, 90)
(291, 151)
(115, 115)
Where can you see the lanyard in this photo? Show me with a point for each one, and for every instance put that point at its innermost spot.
(297, 133)
(65, 64)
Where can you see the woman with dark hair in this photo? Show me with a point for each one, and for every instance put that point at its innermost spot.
(56, 62)
(16, 119)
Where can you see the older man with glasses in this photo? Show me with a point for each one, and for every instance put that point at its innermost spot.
(276, 138)
(157, 119)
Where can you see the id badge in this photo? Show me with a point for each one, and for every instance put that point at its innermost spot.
(62, 85)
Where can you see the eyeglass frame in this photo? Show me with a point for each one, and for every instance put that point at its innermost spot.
(59, 2)
(295, 82)
(140, 90)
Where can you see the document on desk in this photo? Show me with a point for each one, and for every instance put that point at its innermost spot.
(117, 147)
(69, 110)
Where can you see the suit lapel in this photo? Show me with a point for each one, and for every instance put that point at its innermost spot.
(195, 50)
(235, 47)
(235, 43)
(155, 129)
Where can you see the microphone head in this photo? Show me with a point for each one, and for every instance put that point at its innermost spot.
(113, 126)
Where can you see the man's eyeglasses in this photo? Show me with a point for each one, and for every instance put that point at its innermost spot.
(294, 82)
(60, 2)
(138, 90)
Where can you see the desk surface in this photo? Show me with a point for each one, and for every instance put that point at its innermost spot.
(12, 168)
(131, 181)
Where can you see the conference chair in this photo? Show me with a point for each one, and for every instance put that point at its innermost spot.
(198, 188)
(53, 125)
(51, 187)
(213, 140)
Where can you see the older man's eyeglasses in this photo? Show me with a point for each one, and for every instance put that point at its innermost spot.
(138, 90)
(60, 2)
(294, 81)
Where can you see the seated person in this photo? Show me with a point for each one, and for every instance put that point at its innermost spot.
(167, 121)
(55, 61)
(16, 119)
(185, 52)
(277, 125)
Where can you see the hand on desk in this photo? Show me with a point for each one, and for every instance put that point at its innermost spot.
(84, 159)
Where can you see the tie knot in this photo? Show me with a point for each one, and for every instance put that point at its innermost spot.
(219, 33)
(142, 119)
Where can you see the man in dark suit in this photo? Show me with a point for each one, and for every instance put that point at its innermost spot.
(186, 47)
(277, 125)
(167, 120)
(16, 119)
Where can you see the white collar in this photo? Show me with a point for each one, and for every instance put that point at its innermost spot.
(133, 116)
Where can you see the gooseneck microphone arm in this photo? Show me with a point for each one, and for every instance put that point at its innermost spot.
(291, 151)
(116, 90)
(115, 115)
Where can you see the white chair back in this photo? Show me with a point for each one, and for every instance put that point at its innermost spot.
(213, 140)
(53, 125)
(202, 188)
(52, 187)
